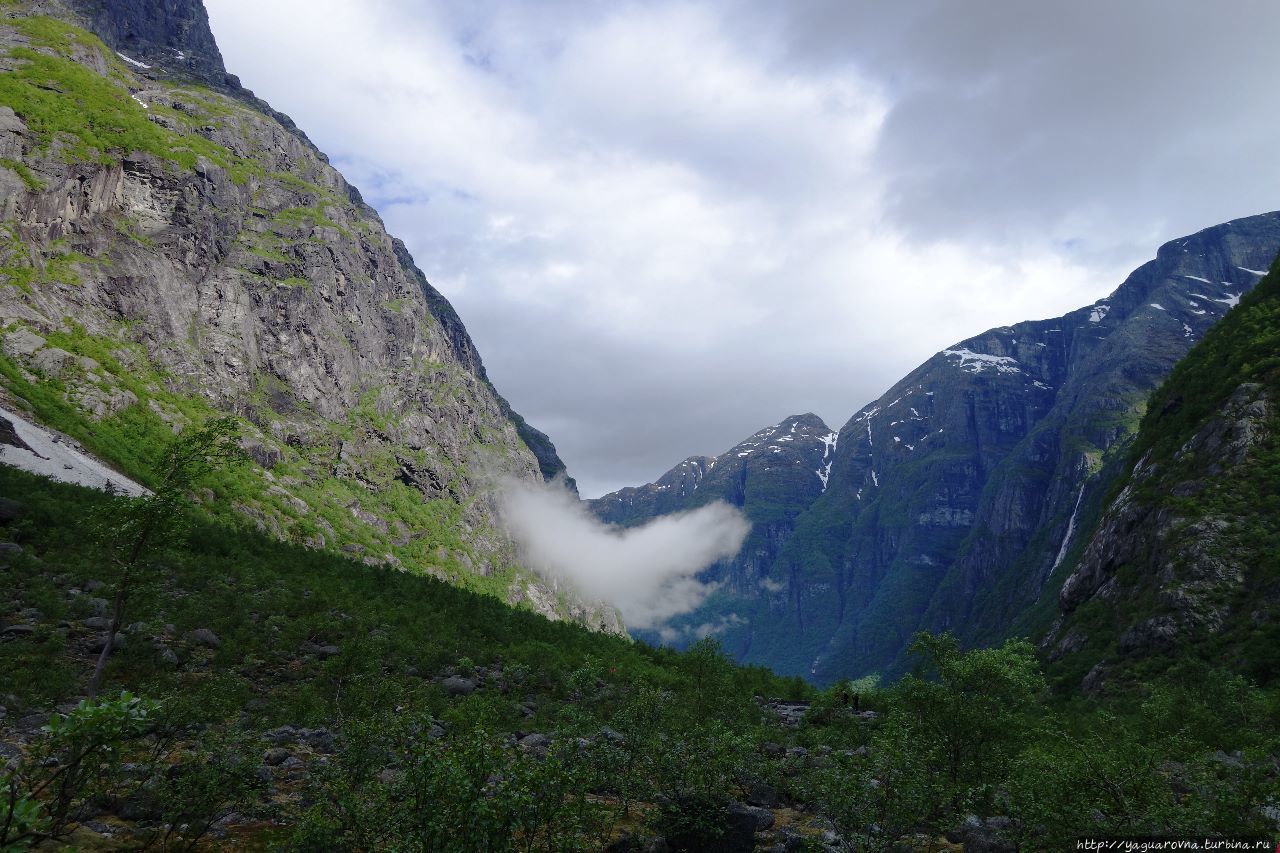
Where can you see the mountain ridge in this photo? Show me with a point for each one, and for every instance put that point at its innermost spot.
(958, 496)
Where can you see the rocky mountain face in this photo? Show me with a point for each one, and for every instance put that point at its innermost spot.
(1186, 559)
(956, 500)
(772, 476)
(171, 251)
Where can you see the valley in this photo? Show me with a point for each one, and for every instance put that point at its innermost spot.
(262, 589)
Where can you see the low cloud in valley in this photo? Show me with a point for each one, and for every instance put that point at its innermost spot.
(648, 573)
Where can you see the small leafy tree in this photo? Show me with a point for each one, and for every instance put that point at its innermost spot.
(131, 532)
(976, 711)
(75, 754)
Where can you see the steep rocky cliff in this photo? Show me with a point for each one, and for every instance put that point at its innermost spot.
(172, 251)
(955, 500)
(1186, 559)
(772, 475)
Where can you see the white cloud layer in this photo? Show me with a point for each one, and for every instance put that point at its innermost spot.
(647, 572)
(669, 223)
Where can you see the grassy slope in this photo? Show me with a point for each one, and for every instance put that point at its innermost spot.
(1244, 347)
(266, 601)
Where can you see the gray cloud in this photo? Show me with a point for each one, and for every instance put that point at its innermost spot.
(647, 572)
(667, 224)
(1098, 122)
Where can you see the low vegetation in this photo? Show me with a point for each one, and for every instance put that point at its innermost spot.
(310, 702)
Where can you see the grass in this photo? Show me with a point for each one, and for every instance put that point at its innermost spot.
(86, 116)
(28, 177)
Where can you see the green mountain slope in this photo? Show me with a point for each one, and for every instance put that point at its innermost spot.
(170, 252)
(1186, 560)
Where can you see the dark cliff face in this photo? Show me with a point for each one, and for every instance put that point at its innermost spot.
(171, 40)
(174, 34)
(956, 500)
(1184, 560)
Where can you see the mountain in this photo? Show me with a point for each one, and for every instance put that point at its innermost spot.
(954, 501)
(173, 249)
(1185, 561)
(772, 475)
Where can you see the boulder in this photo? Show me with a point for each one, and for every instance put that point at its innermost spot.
(275, 756)
(535, 743)
(763, 795)
(456, 685)
(204, 637)
(9, 510)
(100, 643)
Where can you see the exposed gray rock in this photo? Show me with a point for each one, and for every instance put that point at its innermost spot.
(99, 643)
(275, 756)
(271, 291)
(455, 685)
(535, 743)
(204, 637)
(1186, 564)
(9, 510)
(763, 795)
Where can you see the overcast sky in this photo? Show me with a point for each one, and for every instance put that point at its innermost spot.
(669, 224)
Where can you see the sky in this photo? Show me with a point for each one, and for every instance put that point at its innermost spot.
(670, 224)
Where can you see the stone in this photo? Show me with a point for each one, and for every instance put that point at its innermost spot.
(96, 623)
(535, 743)
(281, 735)
(275, 756)
(761, 818)
(9, 550)
(22, 343)
(984, 836)
(99, 643)
(9, 510)
(320, 740)
(739, 827)
(456, 685)
(31, 722)
(204, 637)
(320, 651)
(762, 794)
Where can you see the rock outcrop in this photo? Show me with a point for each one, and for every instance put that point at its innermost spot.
(1183, 561)
(171, 252)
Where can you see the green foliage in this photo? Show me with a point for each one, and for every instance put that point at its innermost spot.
(33, 183)
(90, 116)
(77, 755)
(1193, 476)
(972, 733)
(471, 794)
(975, 713)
